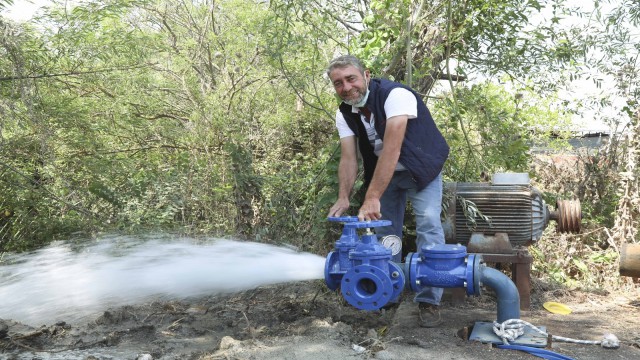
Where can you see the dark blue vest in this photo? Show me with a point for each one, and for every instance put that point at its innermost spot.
(424, 149)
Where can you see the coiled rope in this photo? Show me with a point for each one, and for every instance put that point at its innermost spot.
(511, 329)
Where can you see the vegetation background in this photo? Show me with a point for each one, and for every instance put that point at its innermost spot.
(214, 117)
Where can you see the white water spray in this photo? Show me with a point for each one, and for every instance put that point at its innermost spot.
(62, 283)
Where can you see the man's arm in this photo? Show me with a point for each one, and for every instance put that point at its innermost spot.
(347, 172)
(386, 166)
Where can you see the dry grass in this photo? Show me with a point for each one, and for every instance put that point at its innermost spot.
(588, 260)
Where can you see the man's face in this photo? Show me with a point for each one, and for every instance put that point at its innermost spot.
(350, 85)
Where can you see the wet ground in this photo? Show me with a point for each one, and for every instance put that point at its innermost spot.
(303, 320)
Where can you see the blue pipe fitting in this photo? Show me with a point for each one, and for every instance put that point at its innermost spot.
(506, 293)
(368, 279)
(443, 266)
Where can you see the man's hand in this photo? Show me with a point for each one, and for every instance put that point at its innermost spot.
(339, 207)
(370, 210)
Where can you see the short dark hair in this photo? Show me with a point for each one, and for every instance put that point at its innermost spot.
(344, 61)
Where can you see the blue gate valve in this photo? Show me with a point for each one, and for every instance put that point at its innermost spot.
(362, 267)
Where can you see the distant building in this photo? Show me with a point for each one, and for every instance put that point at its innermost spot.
(579, 141)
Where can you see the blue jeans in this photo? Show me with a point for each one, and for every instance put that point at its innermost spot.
(427, 205)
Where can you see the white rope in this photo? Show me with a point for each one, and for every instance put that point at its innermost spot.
(511, 329)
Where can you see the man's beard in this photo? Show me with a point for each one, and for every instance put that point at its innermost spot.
(352, 102)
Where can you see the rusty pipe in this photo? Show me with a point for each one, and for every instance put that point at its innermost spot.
(630, 260)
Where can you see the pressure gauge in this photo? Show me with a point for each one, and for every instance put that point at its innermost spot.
(392, 242)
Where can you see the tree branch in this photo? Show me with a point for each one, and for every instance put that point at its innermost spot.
(73, 73)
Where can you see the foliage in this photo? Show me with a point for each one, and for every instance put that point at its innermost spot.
(497, 130)
(416, 42)
(5, 3)
(160, 115)
(581, 265)
(609, 217)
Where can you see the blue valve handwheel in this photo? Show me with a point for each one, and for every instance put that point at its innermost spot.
(354, 223)
(343, 218)
(367, 224)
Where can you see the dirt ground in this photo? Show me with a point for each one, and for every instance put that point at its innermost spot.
(304, 320)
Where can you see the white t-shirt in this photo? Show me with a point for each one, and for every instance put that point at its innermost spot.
(399, 102)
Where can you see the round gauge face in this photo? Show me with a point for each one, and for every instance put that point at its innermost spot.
(392, 242)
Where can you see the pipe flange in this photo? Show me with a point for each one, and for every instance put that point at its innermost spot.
(477, 275)
(411, 270)
(367, 287)
(331, 271)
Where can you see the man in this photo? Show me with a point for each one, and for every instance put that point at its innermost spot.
(403, 153)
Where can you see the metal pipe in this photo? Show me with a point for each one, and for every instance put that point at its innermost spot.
(506, 292)
(630, 260)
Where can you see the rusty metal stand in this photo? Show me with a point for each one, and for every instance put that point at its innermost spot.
(497, 249)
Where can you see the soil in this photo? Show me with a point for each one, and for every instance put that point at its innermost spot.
(305, 320)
